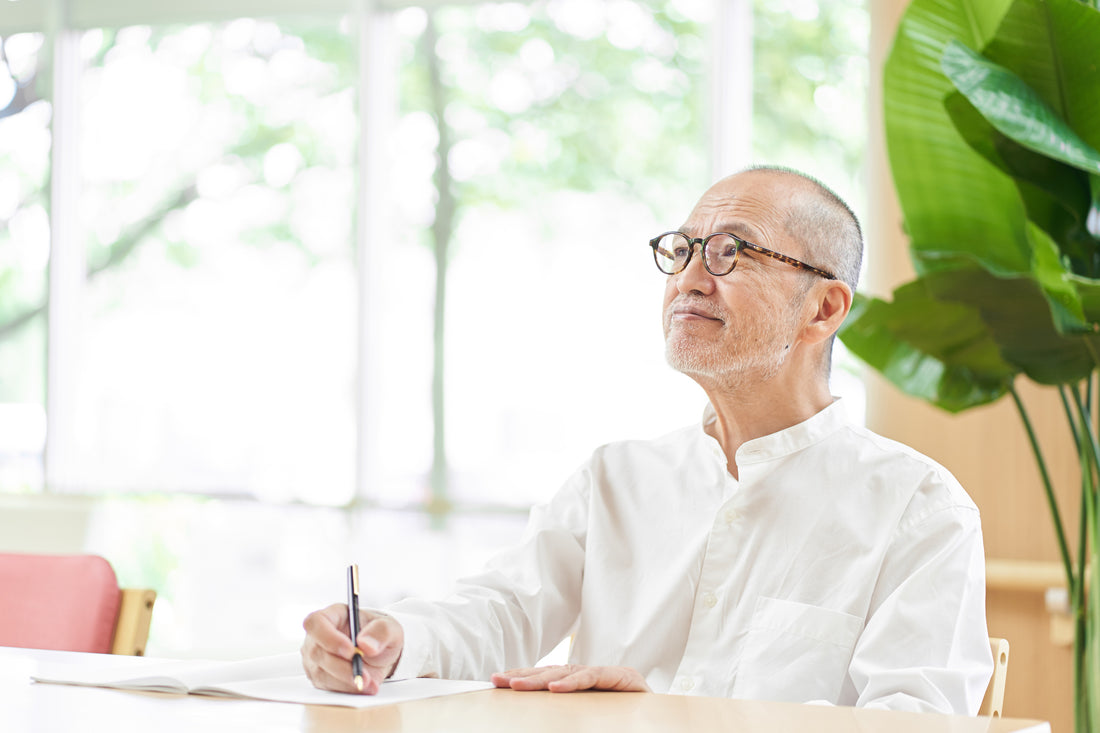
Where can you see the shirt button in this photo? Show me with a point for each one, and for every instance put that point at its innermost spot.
(710, 600)
(730, 516)
(687, 684)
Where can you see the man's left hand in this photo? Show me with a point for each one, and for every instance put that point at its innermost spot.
(572, 677)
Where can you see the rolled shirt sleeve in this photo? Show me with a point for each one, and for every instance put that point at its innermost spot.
(512, 613)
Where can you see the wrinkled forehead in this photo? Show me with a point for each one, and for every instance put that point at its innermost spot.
(754, 207)
(702, 222)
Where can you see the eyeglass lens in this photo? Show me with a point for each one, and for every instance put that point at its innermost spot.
(674, 250)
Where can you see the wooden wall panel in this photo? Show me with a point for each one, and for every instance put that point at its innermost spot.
(1040, 674)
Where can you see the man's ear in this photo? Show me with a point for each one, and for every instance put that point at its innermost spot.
(833, 299)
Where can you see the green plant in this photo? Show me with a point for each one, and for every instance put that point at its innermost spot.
(992, 112)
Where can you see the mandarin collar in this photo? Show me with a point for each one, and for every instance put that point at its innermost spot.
(789, 440)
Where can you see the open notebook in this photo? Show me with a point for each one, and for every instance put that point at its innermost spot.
(279, 678)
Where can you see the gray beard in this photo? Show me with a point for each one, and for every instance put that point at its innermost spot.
(710, 363)
(749, 356)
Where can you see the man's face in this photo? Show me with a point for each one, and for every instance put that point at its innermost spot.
(738, 329)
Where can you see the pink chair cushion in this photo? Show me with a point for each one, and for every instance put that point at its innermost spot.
(67, 602)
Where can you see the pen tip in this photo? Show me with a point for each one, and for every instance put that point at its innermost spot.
(359, 683)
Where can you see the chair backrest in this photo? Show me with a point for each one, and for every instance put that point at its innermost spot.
(993, 703)
(69, 602)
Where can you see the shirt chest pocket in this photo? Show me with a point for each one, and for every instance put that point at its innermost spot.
(795, 652)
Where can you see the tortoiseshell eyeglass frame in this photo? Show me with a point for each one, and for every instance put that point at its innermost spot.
(741, 245)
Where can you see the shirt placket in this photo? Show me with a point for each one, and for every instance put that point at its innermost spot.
(697, 668)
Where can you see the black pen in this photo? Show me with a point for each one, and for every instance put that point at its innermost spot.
(353, 624)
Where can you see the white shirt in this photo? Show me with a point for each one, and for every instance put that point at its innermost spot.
(842, 567)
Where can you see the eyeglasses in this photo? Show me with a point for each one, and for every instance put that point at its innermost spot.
(672, 252)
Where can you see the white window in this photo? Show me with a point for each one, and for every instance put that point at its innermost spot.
(244, 206)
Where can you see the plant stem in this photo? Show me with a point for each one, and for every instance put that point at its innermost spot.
(1089, 477)
(1089, 469)
(1086, 648)
(1052, 501)
(1077, 592)
(1089, 623)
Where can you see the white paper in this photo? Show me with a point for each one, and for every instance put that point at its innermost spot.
(279, 678)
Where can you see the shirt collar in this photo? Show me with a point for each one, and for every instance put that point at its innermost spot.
(789, 440)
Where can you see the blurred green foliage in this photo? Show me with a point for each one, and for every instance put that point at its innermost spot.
(588, 97)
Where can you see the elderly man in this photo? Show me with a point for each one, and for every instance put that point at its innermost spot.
(771, 551)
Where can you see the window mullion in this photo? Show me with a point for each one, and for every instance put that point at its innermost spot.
(67, 265)
(377, 107)
(731, 77)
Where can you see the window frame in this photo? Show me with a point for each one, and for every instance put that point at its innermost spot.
(728, 108)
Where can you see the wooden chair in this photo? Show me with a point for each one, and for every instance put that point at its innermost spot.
(995, 695)
(71, 603)
(135, 614)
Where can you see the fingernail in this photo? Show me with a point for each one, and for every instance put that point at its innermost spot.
(370, 643)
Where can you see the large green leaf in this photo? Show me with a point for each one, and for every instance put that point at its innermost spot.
(1052, 46)
(1055, 195)
(996, 189)
(1088, 290)
(1061, 293)
(1025, 135)
(1092, 223)
(1020, 320)
(1017, 110)
(1057, 201)
(954, 202)
(940, 352)
(957, 338)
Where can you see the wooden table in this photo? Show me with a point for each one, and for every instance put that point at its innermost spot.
(27, 706)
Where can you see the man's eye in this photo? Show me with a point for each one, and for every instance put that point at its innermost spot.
(681, 251)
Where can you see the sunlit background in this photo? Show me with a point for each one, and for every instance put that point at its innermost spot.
(224, 238)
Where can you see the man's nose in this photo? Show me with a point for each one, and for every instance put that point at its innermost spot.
(695, 277)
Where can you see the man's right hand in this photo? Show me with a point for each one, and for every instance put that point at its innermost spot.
(327, 649)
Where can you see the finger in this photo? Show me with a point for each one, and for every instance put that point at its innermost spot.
(332, 672)
(327, 671)
(379, 633)
(584, 679)
(620, 679)
(329, 629)
(381, 640)
(535, 678)
(327, 652)
(503, 679)
(338, 678)
(383, 624)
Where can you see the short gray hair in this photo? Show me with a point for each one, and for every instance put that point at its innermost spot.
(830, 233)
(827, 227)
